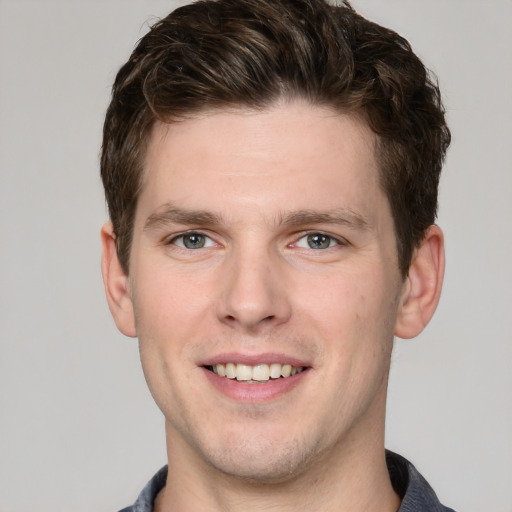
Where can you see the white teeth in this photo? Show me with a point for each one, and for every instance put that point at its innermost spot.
(286, 370)
(275, 370)
(243, 372)
(230, 371)
(259, 372)
(220, 369)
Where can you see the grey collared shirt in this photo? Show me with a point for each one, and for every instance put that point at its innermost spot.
(413, 489)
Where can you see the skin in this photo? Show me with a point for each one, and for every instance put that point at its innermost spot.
(258, 184)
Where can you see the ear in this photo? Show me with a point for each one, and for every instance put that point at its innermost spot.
(117, 286)
(422, 286)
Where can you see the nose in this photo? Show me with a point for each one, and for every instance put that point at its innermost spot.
(254, 295)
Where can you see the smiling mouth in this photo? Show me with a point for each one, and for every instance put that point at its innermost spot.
(255, 374)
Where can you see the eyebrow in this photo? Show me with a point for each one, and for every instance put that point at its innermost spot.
(340, 216)
(172, 214)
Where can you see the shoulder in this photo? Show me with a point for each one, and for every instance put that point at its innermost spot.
(147, 497)
(413, 489)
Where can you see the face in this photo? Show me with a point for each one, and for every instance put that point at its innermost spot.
(264, 249)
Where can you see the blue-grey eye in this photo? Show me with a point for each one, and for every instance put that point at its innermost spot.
(319, 241)
(193, 241)
(316, 241)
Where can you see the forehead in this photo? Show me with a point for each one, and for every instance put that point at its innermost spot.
(291, 156)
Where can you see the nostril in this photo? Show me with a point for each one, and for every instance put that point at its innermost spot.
(233, 319)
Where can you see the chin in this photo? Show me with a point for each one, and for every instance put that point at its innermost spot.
(263, 461)
(260, 471)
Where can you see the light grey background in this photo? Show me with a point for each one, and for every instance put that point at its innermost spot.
(78, 429)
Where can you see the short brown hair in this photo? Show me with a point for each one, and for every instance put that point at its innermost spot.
(250, 53)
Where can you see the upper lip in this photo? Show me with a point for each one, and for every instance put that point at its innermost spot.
(254, 359)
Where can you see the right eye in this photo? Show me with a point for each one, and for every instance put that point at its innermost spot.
(193, 240)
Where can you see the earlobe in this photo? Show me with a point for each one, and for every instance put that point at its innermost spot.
(116, 284)
(422, 287)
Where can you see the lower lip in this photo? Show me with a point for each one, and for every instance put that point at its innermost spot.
(254, 393)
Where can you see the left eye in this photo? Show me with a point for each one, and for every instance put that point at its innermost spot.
(317, 241)
(193, 241)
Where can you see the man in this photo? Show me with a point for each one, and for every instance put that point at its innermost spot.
(271, 170)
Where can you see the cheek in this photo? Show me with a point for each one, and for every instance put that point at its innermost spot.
(167, 315)
(337, 301)
(169, 302)
(352, 313)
